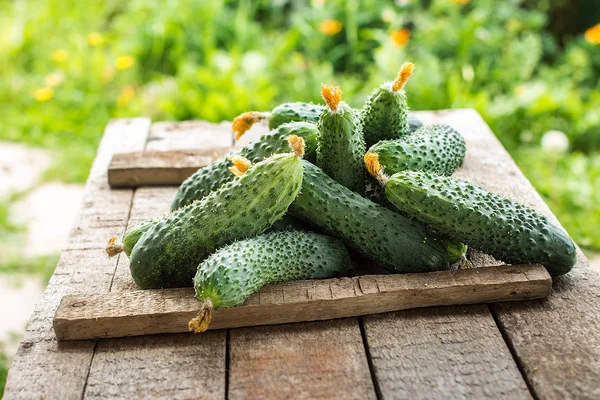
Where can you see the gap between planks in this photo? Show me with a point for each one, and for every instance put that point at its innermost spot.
(143, 312)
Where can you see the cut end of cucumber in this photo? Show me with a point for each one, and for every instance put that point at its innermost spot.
(200, 323)
(405, 72)
(240, 165)
(244, 122)
(332, 96)
(113, 248)
(296, 144)
(374, 167)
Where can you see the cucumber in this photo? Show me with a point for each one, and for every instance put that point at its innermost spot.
(491, 223)
(167, 254)
(282, 114)
(229, 276)
(375, 231)
(341, 146)
(213, 176)
(130, 238)
(436, 148)
(385, 114)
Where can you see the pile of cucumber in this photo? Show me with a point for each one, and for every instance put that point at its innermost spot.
(327, 179)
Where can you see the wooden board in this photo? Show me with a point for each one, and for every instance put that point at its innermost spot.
(143, 312)
(539, 348)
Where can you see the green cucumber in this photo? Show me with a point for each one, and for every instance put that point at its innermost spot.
(435, 148)
(282, 114)
(375, 231)
(213, 176)
(341, 146)
(491, 223)
(167, 254)
(235, 272)
(385, 114)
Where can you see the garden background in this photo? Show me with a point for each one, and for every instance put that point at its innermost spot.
(530, 67)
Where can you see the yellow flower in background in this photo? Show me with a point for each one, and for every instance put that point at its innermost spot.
(124, 62)
(95, 39)
(54, 79)
(126, 95)
(460, 1)
(43, 94)
(330, 27)
(60, 55)
(592, 35)
(400, 37)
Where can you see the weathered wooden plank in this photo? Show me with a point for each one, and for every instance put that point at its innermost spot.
(557, 340)
(145, 312)
(159, 367)
(442, 353)
(44, 368)
(165, 366)
(323, 360)
(155, 168)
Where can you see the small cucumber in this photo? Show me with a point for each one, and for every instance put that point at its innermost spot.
(282, 114)
(375, 231)
(229, 276)
(434, 148)
(341, 145)
(130, 238)
(213, 176)
(385, 114)
(167, 254)
(491, 223)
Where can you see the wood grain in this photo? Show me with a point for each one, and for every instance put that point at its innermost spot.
(155, 168)
(146, 312)
(557, 340)
(165, 366)
(44, 368)
(315, 360)
(442, 353)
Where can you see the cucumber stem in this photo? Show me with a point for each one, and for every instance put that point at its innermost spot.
(202, 320)
(406, 71)
(240, 165)
(375, 168)
(296, 144)
(244, 122)
(113, 248)
(332, 96)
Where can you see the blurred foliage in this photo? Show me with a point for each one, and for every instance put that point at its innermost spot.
(525, 65)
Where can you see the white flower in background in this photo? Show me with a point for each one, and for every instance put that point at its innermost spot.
(555, 141)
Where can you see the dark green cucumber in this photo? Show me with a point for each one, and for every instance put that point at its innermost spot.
(213, 176)
(293, 112)
(385, 114)
(435, 148)
(375, 231)
(341, 145)
(168, 253)
(486, 221)
(235, 272)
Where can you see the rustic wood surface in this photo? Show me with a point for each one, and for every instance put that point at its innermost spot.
(542, 348)
(144, 312)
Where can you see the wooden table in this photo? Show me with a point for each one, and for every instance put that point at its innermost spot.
(536, 349)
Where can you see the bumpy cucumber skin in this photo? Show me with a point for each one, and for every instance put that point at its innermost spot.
(229, 276)
(385, 115)
(134, 234)
(434, 148)
(488, 222)
(375, 231)
(293, 112)
(213, 176)
(341, 147)
(168, 253)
